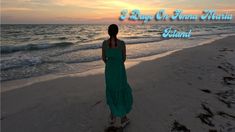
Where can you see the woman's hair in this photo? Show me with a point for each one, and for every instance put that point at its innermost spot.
(113, 31)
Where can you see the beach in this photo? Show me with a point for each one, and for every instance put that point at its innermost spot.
(189, 90)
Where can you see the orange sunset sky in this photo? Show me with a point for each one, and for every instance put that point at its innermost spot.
(98, 11)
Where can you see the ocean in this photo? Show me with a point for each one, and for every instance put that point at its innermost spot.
(36, 50)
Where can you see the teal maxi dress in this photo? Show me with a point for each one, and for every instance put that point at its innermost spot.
(118, 91)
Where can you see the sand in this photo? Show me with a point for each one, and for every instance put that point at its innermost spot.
(188, 90)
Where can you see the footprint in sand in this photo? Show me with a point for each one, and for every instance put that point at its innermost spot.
(207, 116)
(177, 127)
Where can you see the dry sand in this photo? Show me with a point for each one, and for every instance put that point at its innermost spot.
(189, 90)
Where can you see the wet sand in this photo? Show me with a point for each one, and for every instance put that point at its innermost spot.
(189, 90)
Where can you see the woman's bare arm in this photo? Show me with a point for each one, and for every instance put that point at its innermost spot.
(124, 52)
(103, 53)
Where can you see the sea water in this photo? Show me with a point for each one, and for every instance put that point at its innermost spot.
(36, 50)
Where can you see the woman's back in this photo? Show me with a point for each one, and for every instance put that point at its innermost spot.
(114, 52)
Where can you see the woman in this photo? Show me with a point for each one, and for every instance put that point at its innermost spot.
(118, 92)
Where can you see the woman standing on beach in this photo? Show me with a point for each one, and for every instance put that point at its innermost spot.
(118, 92)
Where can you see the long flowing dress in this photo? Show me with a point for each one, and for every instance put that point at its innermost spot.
(118, 91)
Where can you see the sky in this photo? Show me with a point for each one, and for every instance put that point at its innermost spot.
(98, 11)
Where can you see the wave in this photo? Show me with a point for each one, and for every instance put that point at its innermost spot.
(62, 38)
(17, 63)
(154, 30)
(28, 61)
(10, 48)
(97, 45)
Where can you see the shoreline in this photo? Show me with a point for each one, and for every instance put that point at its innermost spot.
(19, 83)
(192, 89)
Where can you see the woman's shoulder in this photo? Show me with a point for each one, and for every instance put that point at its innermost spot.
(121, 43)
(105, 41)
(104, 44)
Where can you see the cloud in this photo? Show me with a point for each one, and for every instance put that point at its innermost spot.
(15, 9)
(95, 9)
